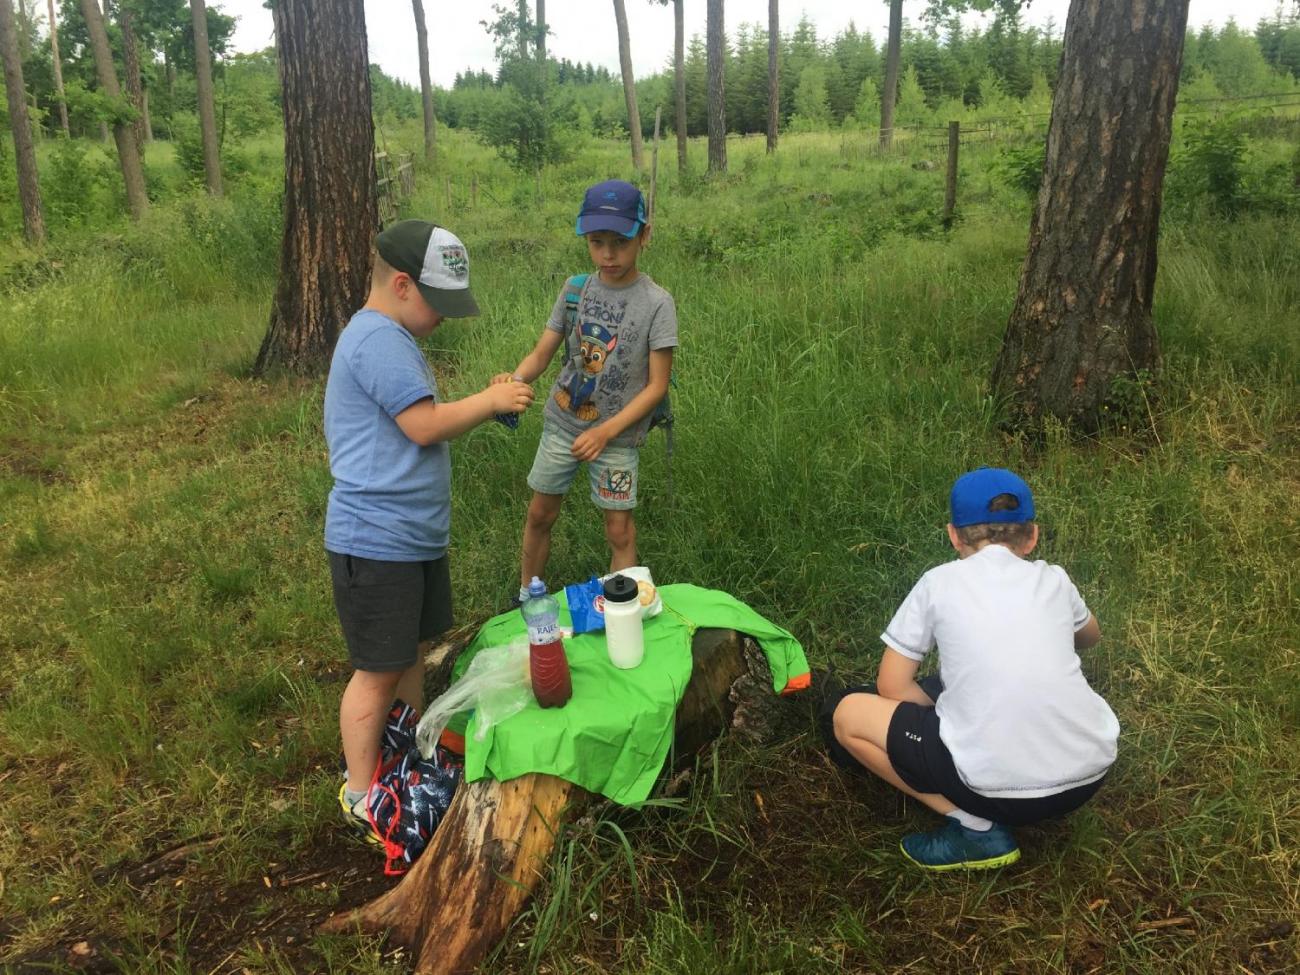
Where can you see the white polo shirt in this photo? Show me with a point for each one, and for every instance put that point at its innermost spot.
(1016, 712)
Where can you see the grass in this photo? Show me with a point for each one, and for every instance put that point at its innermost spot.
(170, 665)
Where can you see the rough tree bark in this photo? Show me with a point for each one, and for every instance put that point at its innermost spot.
(131, 64)
(426, 83)
(1082, 314)
(29, 190)
(629, 84)
(890, 93)
(715, 42)
(494, 845)
(207, 101)
(679, 82)
(58, 72)
(128, 151)
(330, 208)
(773, 73)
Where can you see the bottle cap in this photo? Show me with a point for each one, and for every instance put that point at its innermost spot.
(536, 587)
(620, 589)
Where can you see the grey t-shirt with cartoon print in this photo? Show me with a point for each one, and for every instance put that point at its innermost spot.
(608, 361)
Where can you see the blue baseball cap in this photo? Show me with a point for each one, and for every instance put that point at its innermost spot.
(974, 491)
(612, 205)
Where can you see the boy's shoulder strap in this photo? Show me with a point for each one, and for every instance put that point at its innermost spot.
(573, 289)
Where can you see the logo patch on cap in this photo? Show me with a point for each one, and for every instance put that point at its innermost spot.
(446, 262)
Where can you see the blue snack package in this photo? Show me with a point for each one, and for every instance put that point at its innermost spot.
(509, 420)
(586, 605)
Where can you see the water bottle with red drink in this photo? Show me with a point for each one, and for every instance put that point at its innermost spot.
(547, 664)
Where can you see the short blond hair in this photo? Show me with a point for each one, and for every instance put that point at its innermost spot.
(1015, 534)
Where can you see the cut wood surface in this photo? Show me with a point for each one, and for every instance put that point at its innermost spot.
(495, 844)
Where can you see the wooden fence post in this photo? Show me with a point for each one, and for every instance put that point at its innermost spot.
(950, 195)
(448, 185)
(473, 190)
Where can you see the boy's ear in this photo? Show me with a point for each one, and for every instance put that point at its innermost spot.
(1033, 541)
(952, 536)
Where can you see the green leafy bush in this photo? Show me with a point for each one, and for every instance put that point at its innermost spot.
(1022, 167)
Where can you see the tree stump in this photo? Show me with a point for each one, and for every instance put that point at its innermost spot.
(495, 843)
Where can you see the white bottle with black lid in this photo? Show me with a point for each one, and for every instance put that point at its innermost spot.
(623, 622)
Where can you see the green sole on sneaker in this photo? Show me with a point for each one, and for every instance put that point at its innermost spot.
(1006, 859)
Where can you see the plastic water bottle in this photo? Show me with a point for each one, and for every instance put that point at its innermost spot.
(547, 665)
(623, 635)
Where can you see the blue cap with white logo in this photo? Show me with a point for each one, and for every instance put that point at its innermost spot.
(612, 205)
(974, 491)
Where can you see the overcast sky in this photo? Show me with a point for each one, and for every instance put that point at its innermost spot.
(583, 30)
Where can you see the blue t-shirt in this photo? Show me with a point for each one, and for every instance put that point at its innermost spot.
(391, 497)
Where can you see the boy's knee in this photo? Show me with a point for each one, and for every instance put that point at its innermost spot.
(620, 529)
(542, 514)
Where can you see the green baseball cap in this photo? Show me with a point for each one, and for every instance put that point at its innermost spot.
(437, 262)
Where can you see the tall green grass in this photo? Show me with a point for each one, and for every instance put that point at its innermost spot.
(170, 666)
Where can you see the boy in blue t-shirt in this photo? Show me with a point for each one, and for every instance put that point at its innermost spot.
(1009, 732)
(389, 514)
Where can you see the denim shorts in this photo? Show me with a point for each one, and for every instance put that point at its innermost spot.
(612, 474)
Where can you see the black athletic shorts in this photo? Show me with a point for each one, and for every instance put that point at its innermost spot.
(923, 761)
(387, 609)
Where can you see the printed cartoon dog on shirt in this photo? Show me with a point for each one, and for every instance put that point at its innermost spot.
(597, 344)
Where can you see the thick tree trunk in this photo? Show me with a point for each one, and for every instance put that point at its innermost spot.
(679, 82)
(494, 845)
(715, 42)
(207, 101)
(128, 151)
(58, 72)
(773, 73)
(426, 84)
(134, 85)
(629, 84)
(330, 208)
(1082, 315)
(889, 94)
(29, 190)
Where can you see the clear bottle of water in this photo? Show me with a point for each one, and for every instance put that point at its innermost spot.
(547, 665)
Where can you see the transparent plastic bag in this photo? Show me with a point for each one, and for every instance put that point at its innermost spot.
(496, 684)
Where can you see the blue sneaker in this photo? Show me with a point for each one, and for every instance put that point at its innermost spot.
(954, 847)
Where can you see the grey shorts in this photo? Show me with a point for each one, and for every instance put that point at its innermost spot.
(386, 609)
(613, 474)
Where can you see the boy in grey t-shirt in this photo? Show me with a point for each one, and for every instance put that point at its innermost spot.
(618, 359)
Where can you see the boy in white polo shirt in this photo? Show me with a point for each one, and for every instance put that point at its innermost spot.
(1010, 733)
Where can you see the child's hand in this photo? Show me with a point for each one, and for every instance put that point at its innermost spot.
(504, 377)
(510, 396)
(590, 444)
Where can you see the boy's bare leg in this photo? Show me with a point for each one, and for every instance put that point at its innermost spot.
(410, 688)
(543, 509)
(862, 727)
(362, 713)
(620, 532)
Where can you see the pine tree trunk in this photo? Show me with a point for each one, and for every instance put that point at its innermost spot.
(29, 190)
(207, 101)
(58, 72)
(889, 94)
(128, 151)
(1082, 314)
(629, 85)
(679, 82)
(773, 73)
(541, 31)
(330, 214)
(426, 84)
(716, 40)
(134, 85)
